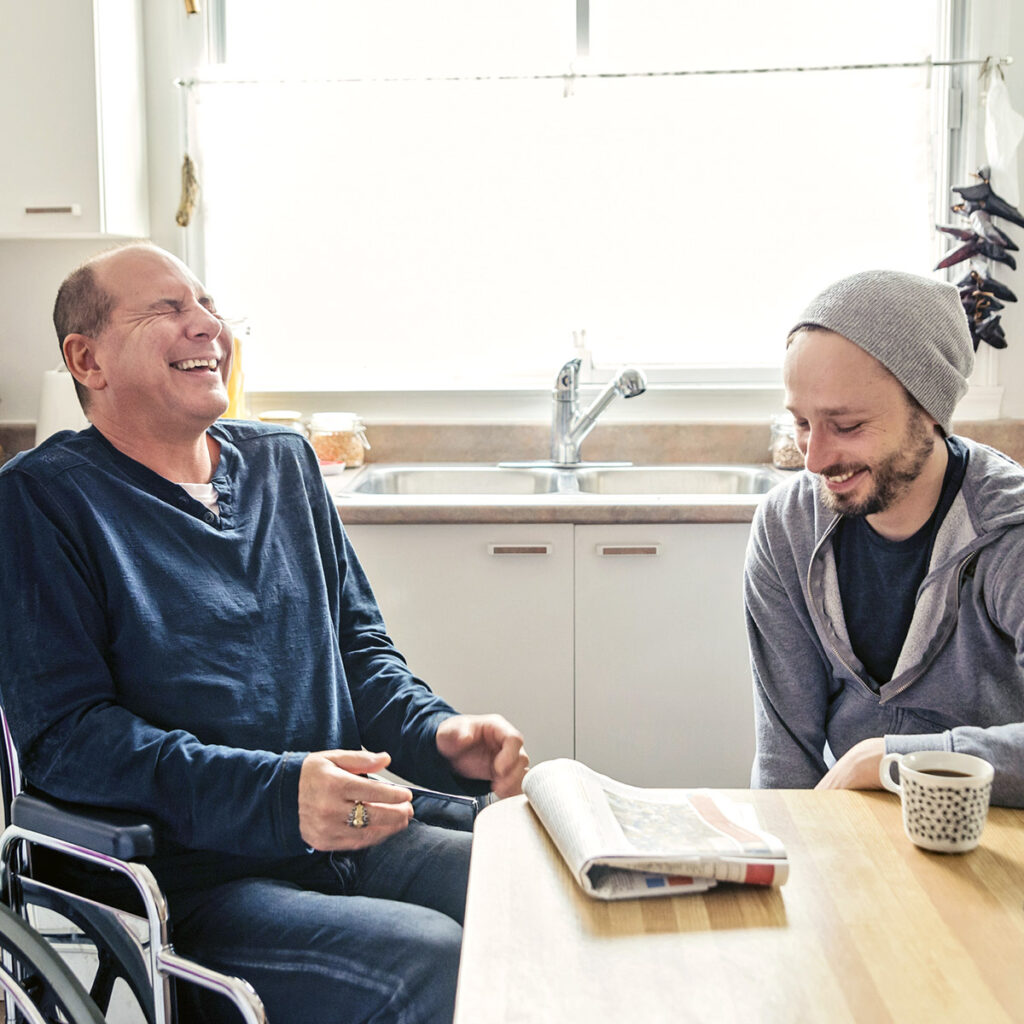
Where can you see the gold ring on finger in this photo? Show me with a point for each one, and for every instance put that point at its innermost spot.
(359, 816)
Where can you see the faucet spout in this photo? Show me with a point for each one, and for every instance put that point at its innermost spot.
(568, 425)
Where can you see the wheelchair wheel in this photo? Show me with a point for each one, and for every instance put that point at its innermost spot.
(40, 987)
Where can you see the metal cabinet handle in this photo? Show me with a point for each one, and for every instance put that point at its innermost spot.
(73, 208)
(628, 549)
(519, 549)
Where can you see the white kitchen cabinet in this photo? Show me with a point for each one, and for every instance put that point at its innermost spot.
(483, 614)
(663, 683)
(622, 646)
(72, 124)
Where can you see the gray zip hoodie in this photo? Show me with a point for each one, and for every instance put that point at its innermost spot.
(959, 681)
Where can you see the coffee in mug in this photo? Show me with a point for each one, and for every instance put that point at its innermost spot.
(945, 797)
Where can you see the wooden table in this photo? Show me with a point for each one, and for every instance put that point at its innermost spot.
(868, 928)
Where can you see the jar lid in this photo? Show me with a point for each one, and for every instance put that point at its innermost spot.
(279, 416)
(336, 422)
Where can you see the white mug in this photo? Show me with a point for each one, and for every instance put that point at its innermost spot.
(944, 795)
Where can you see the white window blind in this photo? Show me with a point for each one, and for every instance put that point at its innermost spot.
(404, 194)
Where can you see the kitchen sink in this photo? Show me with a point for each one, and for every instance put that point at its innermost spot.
(690, 479)
(425, 479)
(455, 478)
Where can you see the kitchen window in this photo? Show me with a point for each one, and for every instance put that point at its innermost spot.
(402, 194)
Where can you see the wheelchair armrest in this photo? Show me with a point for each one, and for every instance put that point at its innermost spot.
(112, 833)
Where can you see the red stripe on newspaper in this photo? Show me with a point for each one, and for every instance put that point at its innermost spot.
(759, 874)
(712, 814)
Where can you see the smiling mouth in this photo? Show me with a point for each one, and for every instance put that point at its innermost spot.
(835, 479)
(195, 364)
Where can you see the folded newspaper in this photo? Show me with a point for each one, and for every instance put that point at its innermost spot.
(621, 842)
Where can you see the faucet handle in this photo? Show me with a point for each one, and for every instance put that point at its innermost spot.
(567, 381)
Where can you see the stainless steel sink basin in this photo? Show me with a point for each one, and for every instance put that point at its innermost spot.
(425, 479)
(455, 478)
(693, 479)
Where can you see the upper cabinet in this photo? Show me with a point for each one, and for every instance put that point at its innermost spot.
(72, 126)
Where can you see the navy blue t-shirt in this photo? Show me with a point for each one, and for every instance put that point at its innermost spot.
(879, 578)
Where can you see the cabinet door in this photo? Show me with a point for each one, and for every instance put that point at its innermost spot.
(72, 118)
(484, 615)
(663, 685)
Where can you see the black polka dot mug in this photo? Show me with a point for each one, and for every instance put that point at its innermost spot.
(945, 797)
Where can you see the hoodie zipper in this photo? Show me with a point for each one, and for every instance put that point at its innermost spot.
(807, 583)
(938, 645)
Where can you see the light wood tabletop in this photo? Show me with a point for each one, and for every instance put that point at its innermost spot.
(868, 928)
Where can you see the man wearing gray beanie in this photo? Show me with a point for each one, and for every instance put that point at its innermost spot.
(882, 584)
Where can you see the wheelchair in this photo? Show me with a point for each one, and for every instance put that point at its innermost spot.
(37, 985)
(133, 945)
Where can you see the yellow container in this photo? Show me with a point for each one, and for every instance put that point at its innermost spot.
(236, 384)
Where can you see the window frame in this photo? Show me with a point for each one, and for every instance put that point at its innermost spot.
(747, 392)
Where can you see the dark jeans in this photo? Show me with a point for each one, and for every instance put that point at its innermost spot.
(373, 936)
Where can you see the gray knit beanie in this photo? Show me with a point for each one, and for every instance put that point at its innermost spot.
(915, 327)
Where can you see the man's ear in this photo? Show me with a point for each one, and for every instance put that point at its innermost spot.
(80, 356)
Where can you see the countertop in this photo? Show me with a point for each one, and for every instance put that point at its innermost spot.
(360, 509)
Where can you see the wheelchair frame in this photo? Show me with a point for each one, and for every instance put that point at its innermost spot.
(110, 840)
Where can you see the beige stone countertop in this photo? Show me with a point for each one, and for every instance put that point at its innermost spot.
(542, 508)
(389, 509)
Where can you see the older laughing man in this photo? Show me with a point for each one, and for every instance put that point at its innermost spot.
(883, 592)
(187, 633)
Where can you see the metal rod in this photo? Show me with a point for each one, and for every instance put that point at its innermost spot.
(188, 83)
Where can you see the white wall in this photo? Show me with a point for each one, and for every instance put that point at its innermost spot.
(30, 270)
(1011, 359)
(30, 273)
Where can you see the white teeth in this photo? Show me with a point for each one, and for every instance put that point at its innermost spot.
(841, 479)
(191, 364)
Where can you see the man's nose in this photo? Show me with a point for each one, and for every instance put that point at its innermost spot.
(819, 451)
(204, 323)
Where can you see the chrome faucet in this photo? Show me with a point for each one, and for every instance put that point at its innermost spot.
(568, 425)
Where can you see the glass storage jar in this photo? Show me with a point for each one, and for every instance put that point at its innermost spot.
(290, 418)
(785, 453)
(339, 440)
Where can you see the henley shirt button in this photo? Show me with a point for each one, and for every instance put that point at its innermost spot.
(209, 517)
(183, 501)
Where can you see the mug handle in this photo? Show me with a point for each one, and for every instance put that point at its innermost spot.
(885, 773)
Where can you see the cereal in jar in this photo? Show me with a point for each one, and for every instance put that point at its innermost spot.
(339, 440)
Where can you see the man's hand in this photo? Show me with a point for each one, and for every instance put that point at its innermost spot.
(485, 747)
(330, 783)
(857, 768)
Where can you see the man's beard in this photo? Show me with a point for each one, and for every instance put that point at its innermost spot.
(892, 477)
